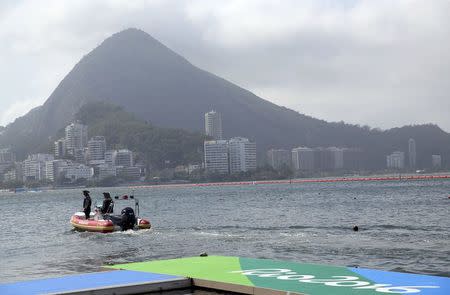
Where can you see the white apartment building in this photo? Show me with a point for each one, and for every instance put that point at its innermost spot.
(303, 158)
(110, 157)
(213, 125)
(79, 171)
(96, 148)
(396, 160)
(337, 157)
(242, 155)
(412, 153)
(106, 170)
(49, 171)
(124, 158)
(278, 158)
(76, 137)
(436, 161)
(216, 156)
(34, 167)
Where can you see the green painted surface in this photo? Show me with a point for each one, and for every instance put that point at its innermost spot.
(214, 268)
(277, 275)
(290, 280)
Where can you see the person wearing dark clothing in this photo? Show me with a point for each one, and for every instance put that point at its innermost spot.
(107, 206)
(87, 204)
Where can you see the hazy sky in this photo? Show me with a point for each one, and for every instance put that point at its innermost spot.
(380, 63)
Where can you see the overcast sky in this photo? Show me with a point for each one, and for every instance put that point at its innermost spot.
(377, 63)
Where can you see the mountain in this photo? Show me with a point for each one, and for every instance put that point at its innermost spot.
(154, 145)
(133, 70)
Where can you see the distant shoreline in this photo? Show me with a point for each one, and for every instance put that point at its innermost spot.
(400, 177)
(373, 178)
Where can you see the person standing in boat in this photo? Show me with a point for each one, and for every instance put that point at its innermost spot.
(107, 206)
(87, 204)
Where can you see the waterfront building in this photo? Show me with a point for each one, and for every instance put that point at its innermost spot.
(278, 158)
(76, 137)
(96, 148)
(337, 157)
(60, 148)
(216, 156)
(303, 158)
(412, 153)
(213, 125)
(131, 173)
(34, 167)
(436, 161)
(110, 157)
(80, 155)
(106, 170)
(242, 155)
(75, 172)
(323, 159)
(7, 156)
(49, 171)
(124, 158)
(396, 160)
(59, 168)
(10, 175)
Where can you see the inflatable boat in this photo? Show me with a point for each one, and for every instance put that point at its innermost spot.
(102, 224)
(109, 222)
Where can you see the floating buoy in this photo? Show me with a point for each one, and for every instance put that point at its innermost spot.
(355, 228)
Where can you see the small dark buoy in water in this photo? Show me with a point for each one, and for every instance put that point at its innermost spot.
(355, 228)
(354, 198)
(203, 254)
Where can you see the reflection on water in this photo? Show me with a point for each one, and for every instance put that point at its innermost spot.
(403, 226)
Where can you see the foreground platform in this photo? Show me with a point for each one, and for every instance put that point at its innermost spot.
(100, 283)
(262, 276)
(234, 274)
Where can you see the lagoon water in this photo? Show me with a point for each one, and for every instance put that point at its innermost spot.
(404, 226)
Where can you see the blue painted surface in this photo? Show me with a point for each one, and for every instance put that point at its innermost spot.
(397, 279)
(80, 282)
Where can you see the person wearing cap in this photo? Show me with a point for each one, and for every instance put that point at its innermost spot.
(87, 204)
(107, 204)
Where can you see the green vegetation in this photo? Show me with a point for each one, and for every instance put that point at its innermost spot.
(157, 148)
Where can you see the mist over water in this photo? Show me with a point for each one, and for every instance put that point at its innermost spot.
(403, 226)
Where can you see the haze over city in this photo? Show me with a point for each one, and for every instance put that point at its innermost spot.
(379, 63)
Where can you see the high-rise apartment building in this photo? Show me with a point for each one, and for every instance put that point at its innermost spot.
(396, 160)
(60, 148)
(96, 148)
(412, 153)
(216, 156)
(303, 158)
(76, 137)
(278, 158)
(337, 157)
(242, 155)
(213, 125)
(436, 161)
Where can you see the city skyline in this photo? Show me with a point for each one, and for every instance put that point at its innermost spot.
(408, 73)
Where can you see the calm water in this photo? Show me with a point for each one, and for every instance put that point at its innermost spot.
(404, 226)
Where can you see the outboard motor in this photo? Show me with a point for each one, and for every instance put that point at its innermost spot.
(128, 218)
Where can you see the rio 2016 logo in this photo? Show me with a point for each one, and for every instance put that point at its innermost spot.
(334, 281)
